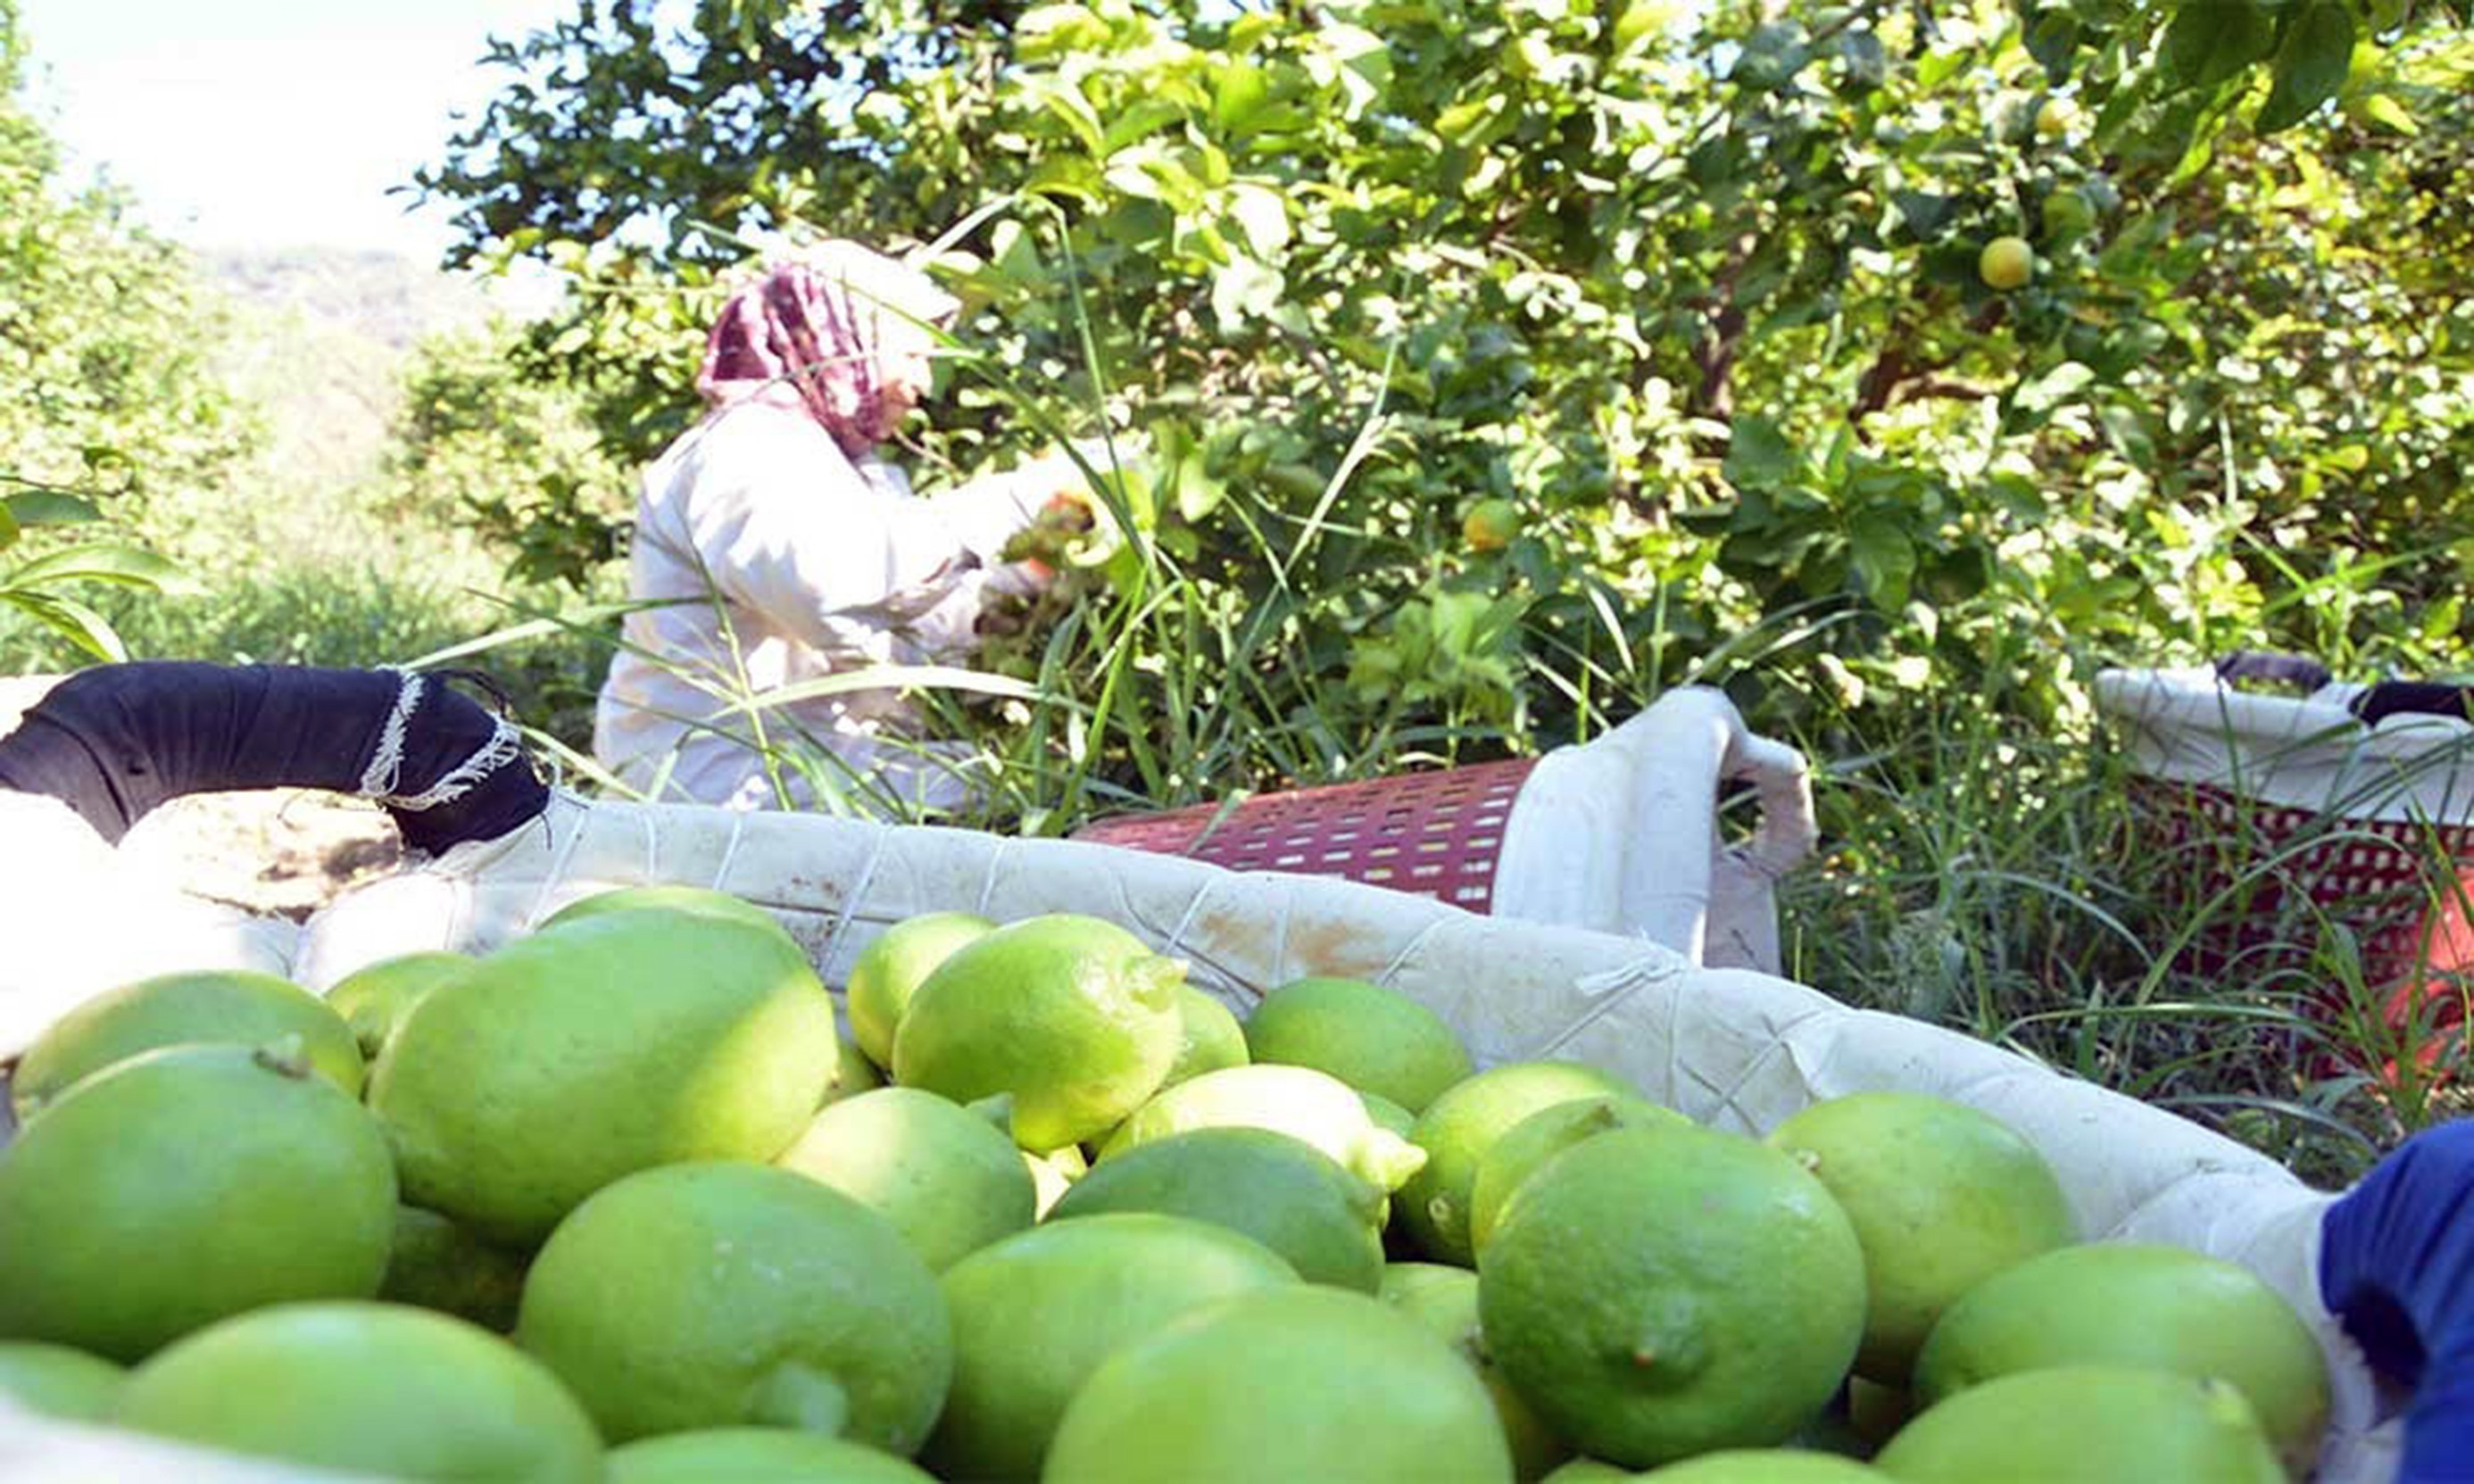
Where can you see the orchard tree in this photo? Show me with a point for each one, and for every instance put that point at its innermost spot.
(1701, 296)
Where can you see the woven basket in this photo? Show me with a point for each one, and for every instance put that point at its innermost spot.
(1436, 835)
(2259, 801)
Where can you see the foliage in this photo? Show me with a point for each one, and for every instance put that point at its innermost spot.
(111, 398)
(1702, 300)
(478, 446)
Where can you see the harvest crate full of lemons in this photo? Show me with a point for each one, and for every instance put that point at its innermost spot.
(626, 1199)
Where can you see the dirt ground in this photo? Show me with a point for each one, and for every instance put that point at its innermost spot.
(285, 851)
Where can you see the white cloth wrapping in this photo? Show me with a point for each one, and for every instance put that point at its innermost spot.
(822, 566)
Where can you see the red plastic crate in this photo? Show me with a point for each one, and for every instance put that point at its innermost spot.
(1435, 833)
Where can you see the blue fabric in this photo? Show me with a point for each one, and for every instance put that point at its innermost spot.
(2396, 1265)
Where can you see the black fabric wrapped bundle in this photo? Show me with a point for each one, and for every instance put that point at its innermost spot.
(114, 741)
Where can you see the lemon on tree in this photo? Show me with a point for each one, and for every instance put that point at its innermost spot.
(2006, 263)
(366, 1388)
(1942, 1197)
(1280, 1191)
(1763, 1466)
(1491, 526)
(946, 1179)
(889, 970)
(1303, 1382)
(1297, 1101)
(751, 1295)
(184, 1185)
(1036, 1314)
(221, 1007)
(1073, 1017)
(2138, 1303)
(1377, 1040)
(2086, 1424)
(1659, 1292)
(1459, 1126)
(619, 1037)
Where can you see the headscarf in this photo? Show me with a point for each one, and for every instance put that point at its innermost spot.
(822, 333)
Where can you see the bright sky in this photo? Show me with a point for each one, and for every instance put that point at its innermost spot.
(269, 123)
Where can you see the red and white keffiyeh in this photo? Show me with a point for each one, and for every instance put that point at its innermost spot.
(827, 332)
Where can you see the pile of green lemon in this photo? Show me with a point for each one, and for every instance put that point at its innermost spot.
(618, 1201)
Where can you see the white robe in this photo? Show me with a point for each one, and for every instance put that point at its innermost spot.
(822, 566)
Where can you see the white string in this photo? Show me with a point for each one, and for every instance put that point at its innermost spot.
(384, 775)
(386, 764)
(502, 749)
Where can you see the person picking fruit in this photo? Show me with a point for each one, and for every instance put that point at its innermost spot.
(775, 548)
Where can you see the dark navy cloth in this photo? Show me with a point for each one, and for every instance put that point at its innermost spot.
(2396, 1265)
(113, 741)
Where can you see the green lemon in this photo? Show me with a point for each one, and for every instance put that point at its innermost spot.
(853, 1074)
(1072, 1016)
(605, 1043)
(1659, 1292)
(1942, 1196)
(366, 1388)
(2086, 1424)
(757, 1456)
(436, 1264)
(1764, 1466)
(1292, 1100)
(2006, 263)
(713, 1294)
(1377, 1040)
(947, 1179)
(1592, 1470)
(889, 970)
(374, 1001)
(1445, 1299)
(58, 1381)
(699, 901)
(1491, 524)
(1305, 1383)
(1036, 1314)
(224, 1006)
(1388, 1114)
(1052, 1175)
(1527, 1145)
(1283, 1193)
(2138, 1305)
(184, 1185)
(1208, 1037)
(1457, 1130)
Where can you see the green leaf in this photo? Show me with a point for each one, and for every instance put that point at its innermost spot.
(72, 620)
(8, 528)
(102, 562)
(2054, 42)
(2210, 42)
(1757, 452)
(2384, 109)
(1882, 556)
(2043, 393)
(2312, 61)
(49, 507)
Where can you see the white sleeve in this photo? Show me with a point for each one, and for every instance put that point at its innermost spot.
(787, 526)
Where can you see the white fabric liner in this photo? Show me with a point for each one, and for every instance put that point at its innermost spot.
(1735, 1048)
(2186, 726)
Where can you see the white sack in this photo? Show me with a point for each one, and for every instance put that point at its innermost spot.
(77, 918)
